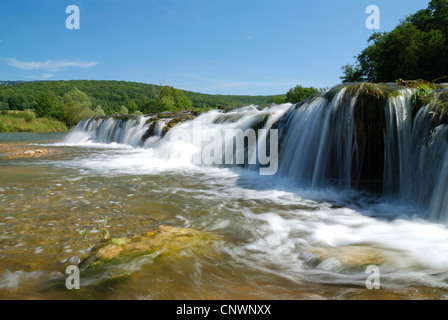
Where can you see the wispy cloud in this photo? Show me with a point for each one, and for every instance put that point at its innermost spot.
(50, 65)
(41, 77)
(48, 75)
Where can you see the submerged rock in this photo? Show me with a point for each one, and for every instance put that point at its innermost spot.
(36, 153)
(359, 257)
(18, 151)
(151, 123)
(173, 118)
(352, 256)
(226, 109)
(177, 120)
(155, 244)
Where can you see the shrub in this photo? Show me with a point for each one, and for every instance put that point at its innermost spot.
(99, 112)
(48, 105)
(123, 110)
(299, 93)
(76, 107)
(28, 115)
(421, 97)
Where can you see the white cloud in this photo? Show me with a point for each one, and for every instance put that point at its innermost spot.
(50, 65)
(48, 75)
(41, 77)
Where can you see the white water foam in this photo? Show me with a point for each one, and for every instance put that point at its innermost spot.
(282, 239)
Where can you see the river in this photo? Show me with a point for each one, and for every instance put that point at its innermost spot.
(276, 240)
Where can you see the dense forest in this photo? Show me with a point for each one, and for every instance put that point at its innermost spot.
(110, 95)
(72, 101)
(416, 49)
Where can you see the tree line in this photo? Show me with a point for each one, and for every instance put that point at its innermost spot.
(113, 95)
(72, 101)
(76, 105)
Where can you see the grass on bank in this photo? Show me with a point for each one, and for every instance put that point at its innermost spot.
(26, 121)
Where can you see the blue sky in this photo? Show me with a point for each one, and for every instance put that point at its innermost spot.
(211, 46)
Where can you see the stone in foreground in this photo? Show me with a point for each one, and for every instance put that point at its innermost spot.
(156, 244)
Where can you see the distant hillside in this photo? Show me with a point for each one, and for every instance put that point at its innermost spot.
(109, 94)
(10, 83)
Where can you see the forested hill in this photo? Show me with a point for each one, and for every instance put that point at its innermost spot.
(110, 94)
(9, 83)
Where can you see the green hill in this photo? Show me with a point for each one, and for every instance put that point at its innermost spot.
(110, 95)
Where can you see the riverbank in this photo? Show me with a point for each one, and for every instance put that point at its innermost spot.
(19, 121)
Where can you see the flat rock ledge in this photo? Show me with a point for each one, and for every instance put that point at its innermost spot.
(162, 242)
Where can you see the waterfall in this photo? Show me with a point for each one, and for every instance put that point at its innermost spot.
(359, 136)
(438, 208)
(416, 166)
(320, 142)
(123, 130)
(397, 171)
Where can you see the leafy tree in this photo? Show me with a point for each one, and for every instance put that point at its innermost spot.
(166, 103)
(171, 99)
(99, 112)
(352, 73)
(76, 107)
(15, 101)
(132, 107)
(29, 115)
(299, 93)
(123, 110)
(149, 106)
(182, 102)
(4, 105)
(416, 48)
(48, 105)
(278, 100)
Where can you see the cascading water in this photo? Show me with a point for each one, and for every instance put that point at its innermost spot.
(416, 157)
(339, 139)
(359, 168)
(398, 142)
(320, 142)
(123, 130)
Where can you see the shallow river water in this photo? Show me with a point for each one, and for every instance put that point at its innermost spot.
(275, 241)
